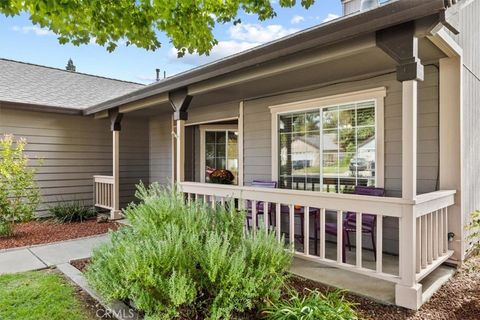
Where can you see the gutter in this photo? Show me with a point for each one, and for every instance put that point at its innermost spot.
(40, 108)
(344, 28)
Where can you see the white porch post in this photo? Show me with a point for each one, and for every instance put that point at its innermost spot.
(115, 126)
(408, 293)
(451, 147)
(116, 213)
(180, 165)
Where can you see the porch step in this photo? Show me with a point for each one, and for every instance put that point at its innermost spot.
(435, 280)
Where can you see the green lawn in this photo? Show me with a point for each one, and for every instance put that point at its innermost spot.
(38, 295)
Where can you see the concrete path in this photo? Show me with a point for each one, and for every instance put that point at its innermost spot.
(42, 256)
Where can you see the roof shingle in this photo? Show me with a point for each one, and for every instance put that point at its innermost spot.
(27, 83)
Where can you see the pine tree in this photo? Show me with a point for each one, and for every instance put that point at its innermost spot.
(70, 66)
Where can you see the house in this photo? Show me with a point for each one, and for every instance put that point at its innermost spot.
(399, 83)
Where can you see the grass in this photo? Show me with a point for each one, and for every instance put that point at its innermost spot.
(38, 295)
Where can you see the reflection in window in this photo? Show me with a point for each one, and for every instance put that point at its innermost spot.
(330, 149)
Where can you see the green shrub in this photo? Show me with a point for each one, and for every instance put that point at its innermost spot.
(6, 229)
(72, 211)
(19, 193)
(474, 231)
(181, 260)
(313, 306)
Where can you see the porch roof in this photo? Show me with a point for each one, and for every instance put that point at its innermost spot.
(329, 33)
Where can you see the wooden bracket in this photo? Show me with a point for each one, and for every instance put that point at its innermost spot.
(115, 119)
(180, 101)
(401, 43)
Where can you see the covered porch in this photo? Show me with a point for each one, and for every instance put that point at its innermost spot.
(413, 230)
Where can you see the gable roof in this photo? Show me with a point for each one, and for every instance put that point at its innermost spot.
(31, 84)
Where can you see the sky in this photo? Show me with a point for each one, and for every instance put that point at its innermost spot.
(22, 41)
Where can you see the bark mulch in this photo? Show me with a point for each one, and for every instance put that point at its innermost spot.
(40, 232)
(458, 299)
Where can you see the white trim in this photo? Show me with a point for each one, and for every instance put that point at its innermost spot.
(214, 127)
(356, 96)
(240, 144)
(376, 94)
(210, 121)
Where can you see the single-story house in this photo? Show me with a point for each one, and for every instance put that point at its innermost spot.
(402, 78)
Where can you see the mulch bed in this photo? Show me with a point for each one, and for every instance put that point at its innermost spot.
(458, 299)
(40, 232)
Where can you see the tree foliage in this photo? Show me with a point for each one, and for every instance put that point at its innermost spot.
(70, 66)
(187, 23)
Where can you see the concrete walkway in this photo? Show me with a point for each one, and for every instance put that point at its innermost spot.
(43, 256)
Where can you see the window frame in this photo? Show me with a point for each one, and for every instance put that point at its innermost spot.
(375, 94)
(215, 128)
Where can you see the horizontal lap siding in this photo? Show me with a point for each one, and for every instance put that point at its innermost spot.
(74, 148)
(160, 141)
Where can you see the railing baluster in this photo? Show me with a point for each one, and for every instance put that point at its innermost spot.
(435, 234)
(418, 260)
(189, 198)
(379, 241)
(254, 217)
(266, 215)
(222, 201)
(213, 202)
(339, 236)
(445, 231)
(359, 242)
(429, 239)
(291, 218)
(440, 232)
(424, 242)
(306, 230)
(278, 220)
(322, 233)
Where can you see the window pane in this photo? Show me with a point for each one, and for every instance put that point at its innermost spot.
(347, 140)
(220, 150)
(366, 114)
(285, 123)
(330, 118)
(346, 116)
(209, 150)
(232, 137)
(312, 121)
(221, 137)
(298, 122)
(210, 137)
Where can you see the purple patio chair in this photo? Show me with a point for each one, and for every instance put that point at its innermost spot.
(259, 205)
(350, 221)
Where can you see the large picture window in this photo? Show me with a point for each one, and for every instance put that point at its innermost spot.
(328, 148)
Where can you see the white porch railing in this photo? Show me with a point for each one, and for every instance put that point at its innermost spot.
(104, 192)
(429, 210)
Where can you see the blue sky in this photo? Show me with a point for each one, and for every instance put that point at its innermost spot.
(20, 40)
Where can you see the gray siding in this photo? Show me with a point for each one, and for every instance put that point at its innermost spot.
(160, 137)
(257, 130)
(469, 40)
(72, 150)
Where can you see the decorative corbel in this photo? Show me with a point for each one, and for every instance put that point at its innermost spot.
(401, 43)
(180, 101)
(115, 119)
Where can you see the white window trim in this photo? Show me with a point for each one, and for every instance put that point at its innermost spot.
(213, 127)
(376, 94)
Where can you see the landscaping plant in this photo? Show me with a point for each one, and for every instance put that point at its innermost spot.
(474, 231)
(188, 261)
(71, 211)
(312, 306)
(19, 193)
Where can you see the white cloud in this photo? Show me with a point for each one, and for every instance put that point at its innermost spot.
(297, 19)
(32, 29)
(330, 17)
(259, 33)
(242, 37)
